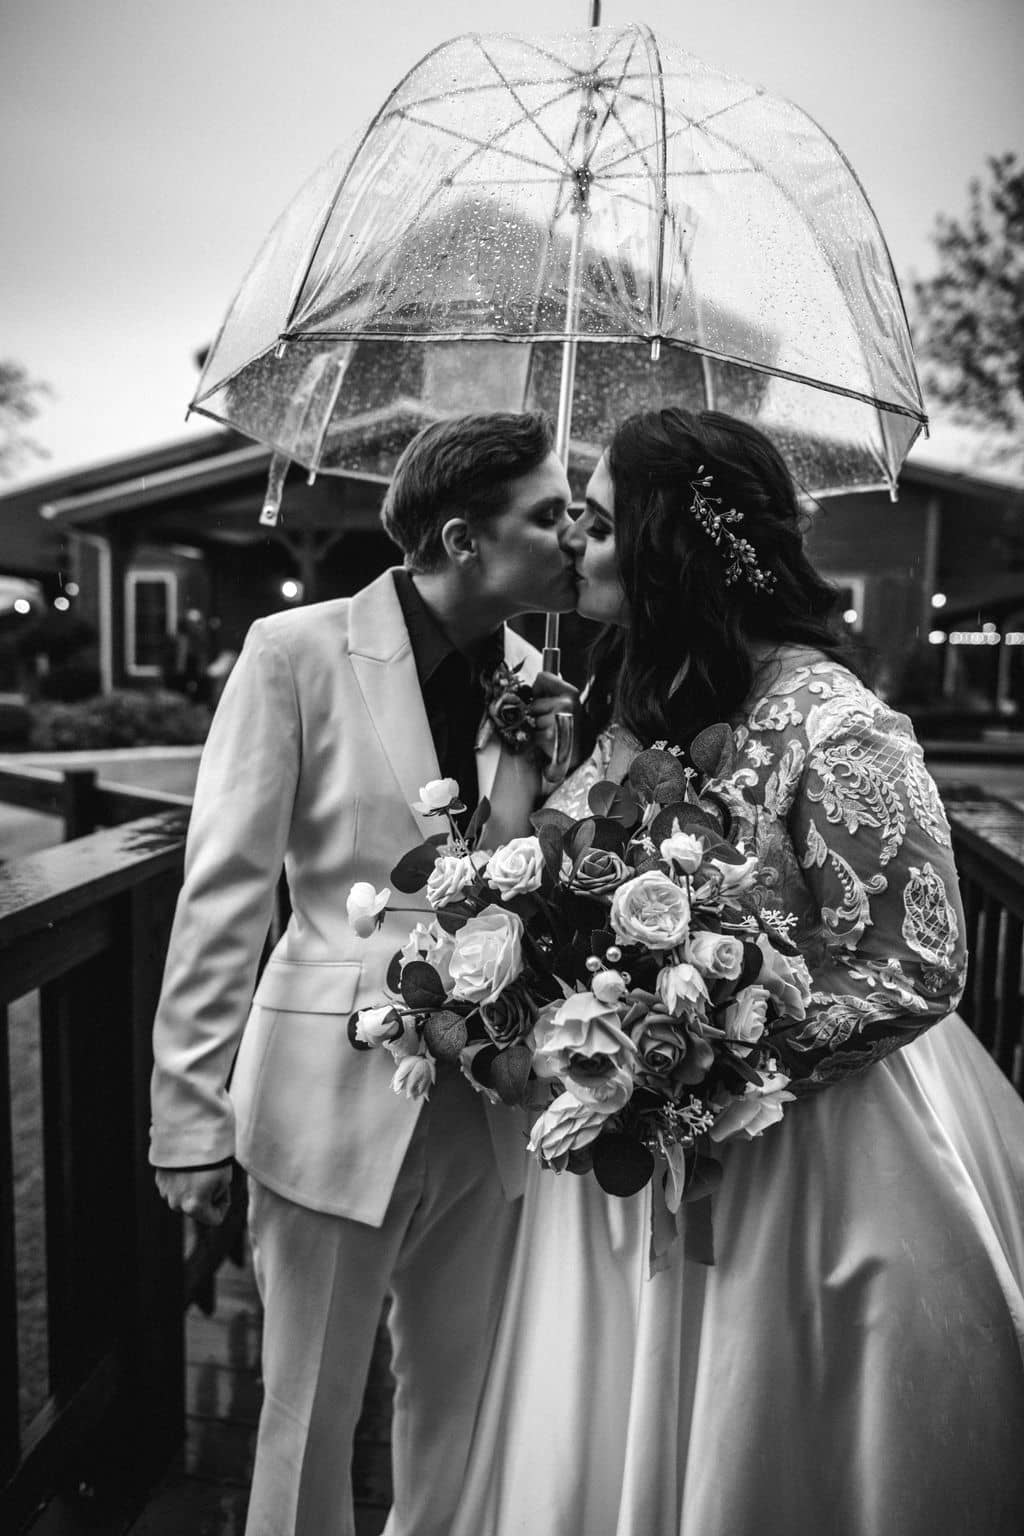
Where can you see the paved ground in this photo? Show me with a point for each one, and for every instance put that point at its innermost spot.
(205, 1490)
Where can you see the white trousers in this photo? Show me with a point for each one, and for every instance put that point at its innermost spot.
(443, 1252)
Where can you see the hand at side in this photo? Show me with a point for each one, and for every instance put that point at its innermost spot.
(202, 1193)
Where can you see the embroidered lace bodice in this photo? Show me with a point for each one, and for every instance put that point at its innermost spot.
(830, 789)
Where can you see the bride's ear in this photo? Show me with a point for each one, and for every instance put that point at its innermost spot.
(457, 539)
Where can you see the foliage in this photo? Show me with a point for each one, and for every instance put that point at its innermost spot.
(20, 399)
(124, 719)
(969, 318)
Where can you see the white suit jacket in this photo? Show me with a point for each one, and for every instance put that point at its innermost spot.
(317, 750)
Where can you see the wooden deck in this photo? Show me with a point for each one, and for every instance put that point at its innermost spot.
(205, 1490)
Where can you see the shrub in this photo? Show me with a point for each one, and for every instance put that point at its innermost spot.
(71, 681)
(15, 724)
(124, 719)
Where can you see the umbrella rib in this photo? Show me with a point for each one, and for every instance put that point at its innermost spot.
(762, 169)
(637, 149)
(481, 86)
(479, 145)
(612, 112)
(600, 88)
(528, 339)
(643, 149)
(333, 201)
(663, 186)
(546, 53)
(731, 107)
(566, 88)
(527, 114)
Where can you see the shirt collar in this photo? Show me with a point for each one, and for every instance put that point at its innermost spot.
(430, 645)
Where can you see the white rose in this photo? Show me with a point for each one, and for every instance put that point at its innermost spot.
(608, 986)
(516, 867)
(736, 877)
(364, 904)
(579, 1026)
(437, 796)
(684, 851)
(378, 1026)
(429, 942)
(746, 1017)
(681, 988)
(487, 955)
(415, 1076)
(651, 910)
(592, 1080)
(564, 1126)
(787, 978)
(714, 954)
(754, 1110)
(450, 876)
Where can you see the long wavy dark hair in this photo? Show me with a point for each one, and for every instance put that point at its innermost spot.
(688, 657)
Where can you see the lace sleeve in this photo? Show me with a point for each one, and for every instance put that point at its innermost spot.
(872, 841)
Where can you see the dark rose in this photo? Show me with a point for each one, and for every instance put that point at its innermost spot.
(510, 1016)
(597, 872)
(509, 712)
(674, 1052)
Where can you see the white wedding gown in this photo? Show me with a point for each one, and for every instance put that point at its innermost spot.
(851, 1365)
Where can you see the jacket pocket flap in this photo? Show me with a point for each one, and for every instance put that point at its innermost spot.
(295, 986)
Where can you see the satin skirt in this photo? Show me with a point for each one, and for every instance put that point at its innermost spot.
(853, 1363)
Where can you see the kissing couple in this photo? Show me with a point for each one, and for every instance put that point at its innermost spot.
(852, 1360)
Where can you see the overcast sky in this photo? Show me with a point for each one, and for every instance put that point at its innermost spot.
(149, 144)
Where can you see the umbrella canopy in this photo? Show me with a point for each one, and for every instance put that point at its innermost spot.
(598, 206)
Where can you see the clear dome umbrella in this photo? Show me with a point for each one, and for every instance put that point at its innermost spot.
(587, 223)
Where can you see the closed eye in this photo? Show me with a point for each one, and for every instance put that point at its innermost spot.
(595, 522)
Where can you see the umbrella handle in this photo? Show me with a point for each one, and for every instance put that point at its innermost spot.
(565, 727)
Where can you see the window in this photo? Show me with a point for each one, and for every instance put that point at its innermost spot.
(851, 603)
(151, 616)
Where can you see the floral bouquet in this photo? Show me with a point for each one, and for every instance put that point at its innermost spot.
(622, 975)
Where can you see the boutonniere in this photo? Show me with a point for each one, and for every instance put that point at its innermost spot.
(507, 700)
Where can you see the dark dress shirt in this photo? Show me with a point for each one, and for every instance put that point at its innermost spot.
(450, 684)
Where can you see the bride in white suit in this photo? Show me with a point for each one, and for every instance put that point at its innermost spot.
(333, 718)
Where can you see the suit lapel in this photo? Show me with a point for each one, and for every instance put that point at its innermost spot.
(385, 670)
(489, 755)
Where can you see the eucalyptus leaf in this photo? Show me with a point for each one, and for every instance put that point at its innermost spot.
(421, 985)
(413, 869)
(445, 1034)
(622, 1165)
(657, 775)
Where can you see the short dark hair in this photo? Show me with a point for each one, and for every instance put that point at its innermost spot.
(681, 606)
(459, 467)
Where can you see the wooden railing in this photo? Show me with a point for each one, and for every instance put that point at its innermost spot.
(80, 798)
(988, 844)
(86, 923)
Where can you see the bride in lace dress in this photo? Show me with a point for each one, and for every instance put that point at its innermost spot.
(853, 1361)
